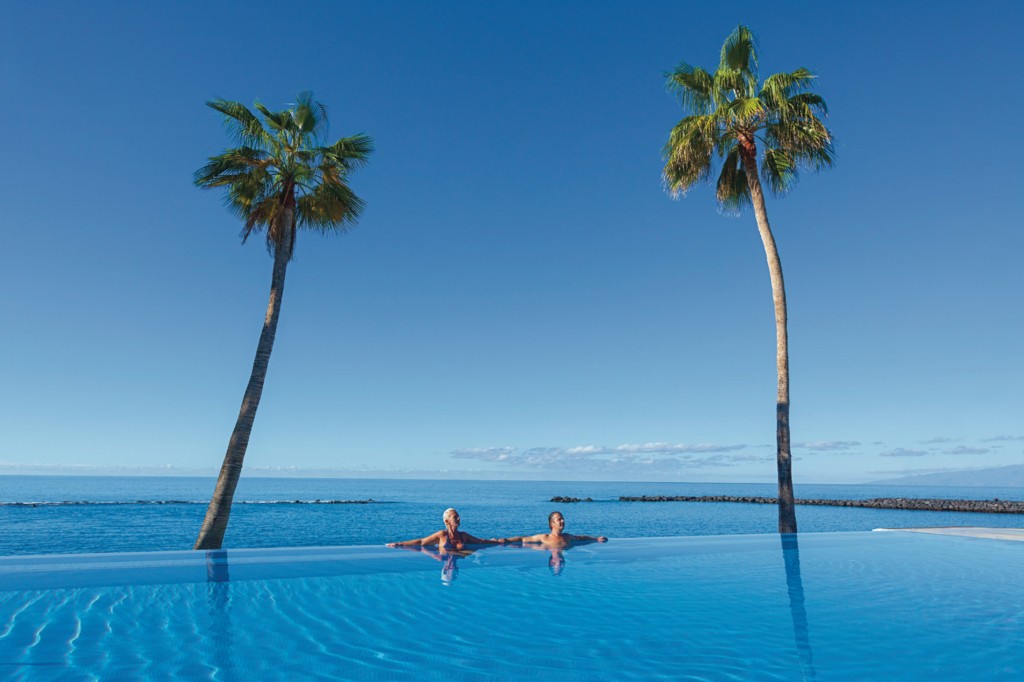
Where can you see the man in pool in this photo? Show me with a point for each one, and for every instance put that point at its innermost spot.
(556, 537)
(450, 538)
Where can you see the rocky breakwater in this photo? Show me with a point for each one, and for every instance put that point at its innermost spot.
(994, 506)
(559, 498)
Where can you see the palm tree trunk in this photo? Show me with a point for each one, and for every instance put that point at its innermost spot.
(211, 535)
(784, 461)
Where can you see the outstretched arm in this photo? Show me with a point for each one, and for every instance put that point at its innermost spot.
(473, 540)
(587, 538)
(432, 539)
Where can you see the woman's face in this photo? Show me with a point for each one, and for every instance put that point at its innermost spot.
(452, 520)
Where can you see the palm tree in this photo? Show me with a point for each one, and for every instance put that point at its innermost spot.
(278, 179)
(737, 119)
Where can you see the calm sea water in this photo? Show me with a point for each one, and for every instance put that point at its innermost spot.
(127, 514)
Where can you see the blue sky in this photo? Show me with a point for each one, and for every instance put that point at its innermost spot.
(521, 299)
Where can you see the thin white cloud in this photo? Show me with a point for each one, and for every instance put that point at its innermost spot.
(903, 452)
(587, 450)
(913, 472)
(940, 440)
(649, 458)
(66, 469)
(749, 458)
(1002, 438)
(652, 448)
(484, 454)
(965, 450)
(827, 445)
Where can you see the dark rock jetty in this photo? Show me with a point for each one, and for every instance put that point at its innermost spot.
(571, 499)
(994, 506)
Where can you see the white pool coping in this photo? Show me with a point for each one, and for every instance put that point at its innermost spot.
(966, 531)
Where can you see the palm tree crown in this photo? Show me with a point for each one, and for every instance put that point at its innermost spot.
(281, 165)
(731, 112)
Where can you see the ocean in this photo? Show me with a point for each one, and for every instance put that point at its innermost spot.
(78, 514)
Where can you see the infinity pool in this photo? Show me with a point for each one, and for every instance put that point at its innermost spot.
(836, 606)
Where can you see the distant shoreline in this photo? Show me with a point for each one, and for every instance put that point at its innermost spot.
(998, 477)
(123, 503)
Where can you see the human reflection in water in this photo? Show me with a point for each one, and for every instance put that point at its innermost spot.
(556, 557)
(797, 607)
(556, 562)
(448, 557)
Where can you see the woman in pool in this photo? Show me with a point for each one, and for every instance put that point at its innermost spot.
(556, 538)
(450, 538)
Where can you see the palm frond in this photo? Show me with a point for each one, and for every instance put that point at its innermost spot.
(779, 87)
(330, 207)
(688, 152)
(817, 158)
(350, 152)
(309, 115)
(694, 86)
(808, 103)
(732, 190)
(233, 161)
(278, 120)
(739, 51)
(245, 127)
(259, 214)
(745, 110)
(778, 170)
(267, 113)
(737, 82)
(807, 141)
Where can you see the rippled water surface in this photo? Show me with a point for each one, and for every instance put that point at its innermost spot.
(836, 606)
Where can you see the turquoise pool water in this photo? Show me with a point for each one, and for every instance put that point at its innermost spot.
(835, 606)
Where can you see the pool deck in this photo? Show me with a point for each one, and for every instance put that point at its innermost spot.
(966, 531)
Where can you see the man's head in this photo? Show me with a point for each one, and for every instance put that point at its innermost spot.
(556, 521)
